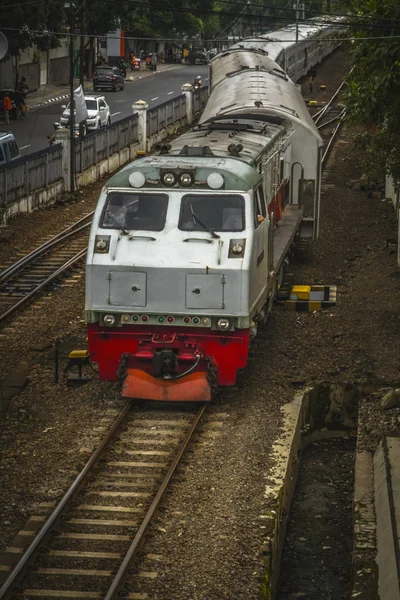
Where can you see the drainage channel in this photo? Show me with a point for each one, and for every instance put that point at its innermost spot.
(333, 497)
(317, 555)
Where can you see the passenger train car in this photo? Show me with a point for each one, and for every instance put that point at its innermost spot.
(187, 246)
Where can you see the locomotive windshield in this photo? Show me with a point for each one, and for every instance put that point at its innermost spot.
(130, 210)
(217, 212)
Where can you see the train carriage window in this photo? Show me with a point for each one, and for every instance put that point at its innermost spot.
(219, 212)
(137, 211)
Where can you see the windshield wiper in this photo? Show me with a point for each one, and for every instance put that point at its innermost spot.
(116, 222)
(203, 225)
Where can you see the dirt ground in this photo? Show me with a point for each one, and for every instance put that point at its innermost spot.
(210, 525)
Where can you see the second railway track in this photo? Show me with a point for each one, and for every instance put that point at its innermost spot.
(25, 278)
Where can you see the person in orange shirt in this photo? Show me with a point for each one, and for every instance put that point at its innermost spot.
(7, 107)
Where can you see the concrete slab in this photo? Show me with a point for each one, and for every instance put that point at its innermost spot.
(387, 556)
(365, 570)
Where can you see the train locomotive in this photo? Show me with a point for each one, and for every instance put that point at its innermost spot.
(187, 246)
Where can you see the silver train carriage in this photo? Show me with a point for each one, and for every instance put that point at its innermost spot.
(187, 246)
(316, 40)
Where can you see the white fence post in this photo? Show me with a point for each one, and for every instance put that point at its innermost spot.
(63, 136)
(140, 107)
(187, 89)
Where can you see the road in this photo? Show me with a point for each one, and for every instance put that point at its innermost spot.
(155, 89)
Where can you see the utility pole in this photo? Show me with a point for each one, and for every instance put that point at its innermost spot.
(71, 100)
(297, 40)
(82, 46)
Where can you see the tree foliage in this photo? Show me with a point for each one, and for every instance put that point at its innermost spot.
(373, 95)
(27, 23)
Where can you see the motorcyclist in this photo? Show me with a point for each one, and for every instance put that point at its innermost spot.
(22, 87)
(122, 68)
(197, 82)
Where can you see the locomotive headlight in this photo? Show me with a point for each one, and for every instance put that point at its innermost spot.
(215, 181)
(109, 320)
(186, 179)
(223, 324)
(137, 179)
(237, 249)
(168, 178)
(102, 244)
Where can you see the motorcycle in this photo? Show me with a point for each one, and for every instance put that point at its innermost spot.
(22, 87)
(197, 85)
(80, 131)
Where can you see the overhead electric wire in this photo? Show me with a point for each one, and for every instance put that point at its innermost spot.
(189, 40)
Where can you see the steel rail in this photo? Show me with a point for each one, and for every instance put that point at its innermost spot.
(20, 264)
(318, 116)
(121, 573)
(60, 270)
(20, 568)
(330, 142)
(333, 120)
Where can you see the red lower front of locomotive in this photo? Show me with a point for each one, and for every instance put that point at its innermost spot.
(159, 363)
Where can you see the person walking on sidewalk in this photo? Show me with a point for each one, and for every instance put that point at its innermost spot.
(154, 62)
(7, 104)
(133, 61)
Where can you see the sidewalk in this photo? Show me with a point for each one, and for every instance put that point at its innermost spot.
(51, 93)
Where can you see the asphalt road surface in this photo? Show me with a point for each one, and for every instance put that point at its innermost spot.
(32, 133)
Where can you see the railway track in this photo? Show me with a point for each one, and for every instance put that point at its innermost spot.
(24, 279)
(85, 548)
(332, 114)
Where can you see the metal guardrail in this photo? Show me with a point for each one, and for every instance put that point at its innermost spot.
(30, 173)
(165, 114)
(99, 145)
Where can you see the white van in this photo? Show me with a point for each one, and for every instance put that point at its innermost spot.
(8, 147)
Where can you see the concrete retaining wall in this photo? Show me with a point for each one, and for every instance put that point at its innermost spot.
(322, 412)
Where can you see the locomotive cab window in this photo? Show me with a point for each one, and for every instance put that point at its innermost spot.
(129, 210)
(259, 207)
(217, 212)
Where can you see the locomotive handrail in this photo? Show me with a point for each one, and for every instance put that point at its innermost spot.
(198, 240)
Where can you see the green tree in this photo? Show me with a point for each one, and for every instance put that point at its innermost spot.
(25, 23)
(373, 96)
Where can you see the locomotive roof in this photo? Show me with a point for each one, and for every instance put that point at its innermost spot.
(238, 175)
(255, 136)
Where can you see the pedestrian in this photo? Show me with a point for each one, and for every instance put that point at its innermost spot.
(20, 104)
(154, 62)
(311, 83)
(133, 61)
(7, 104)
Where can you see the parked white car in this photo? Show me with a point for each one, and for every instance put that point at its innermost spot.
(98, 109)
